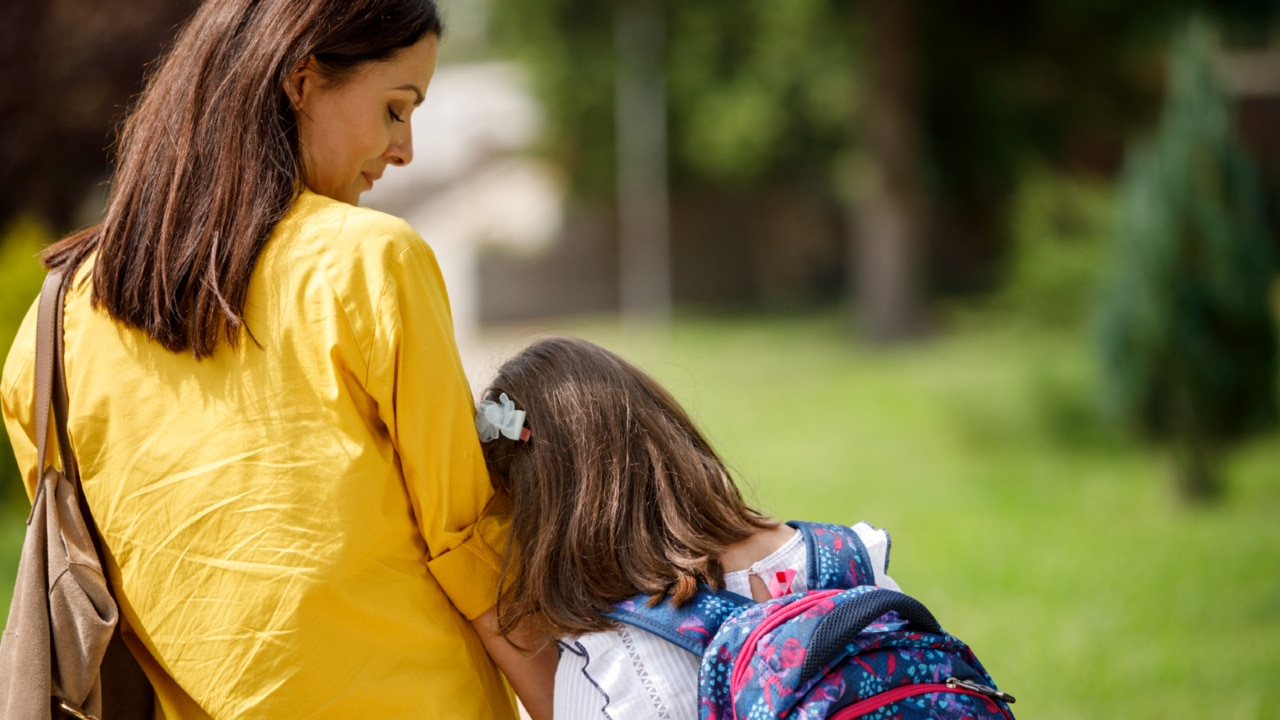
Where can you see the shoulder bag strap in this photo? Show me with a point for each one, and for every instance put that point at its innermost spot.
(70, 467)
(48, 355)
(123, 690)
(51, 389)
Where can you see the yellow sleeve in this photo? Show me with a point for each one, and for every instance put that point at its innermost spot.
(17, 396)
(417, 379)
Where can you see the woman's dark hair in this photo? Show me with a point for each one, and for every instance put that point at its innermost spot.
(615, 492)
(208, 161)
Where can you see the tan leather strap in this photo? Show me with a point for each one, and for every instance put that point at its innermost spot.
(51, 386)
(70, 467)
(46, 321)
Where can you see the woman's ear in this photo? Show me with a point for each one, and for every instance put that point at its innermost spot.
(300, 82)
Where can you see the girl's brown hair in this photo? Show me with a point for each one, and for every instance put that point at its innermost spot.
(208, 162)
(615, 492)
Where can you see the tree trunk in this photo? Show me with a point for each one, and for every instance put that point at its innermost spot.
(643, 196)
(1196, 476)
(890, 208)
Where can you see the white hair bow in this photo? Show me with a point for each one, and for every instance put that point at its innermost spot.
(500, 418)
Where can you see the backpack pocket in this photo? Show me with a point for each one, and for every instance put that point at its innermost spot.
(845, 654)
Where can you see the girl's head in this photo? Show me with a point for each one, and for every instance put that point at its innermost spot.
(238, 115)
(615, 492)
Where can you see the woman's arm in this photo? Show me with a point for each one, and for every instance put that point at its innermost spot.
(531, 672)
(416, 378)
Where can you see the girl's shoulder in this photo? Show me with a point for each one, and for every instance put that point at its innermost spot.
(786, 566)
(867, 534)
(873, 537)
(627, 668)
(841, 555)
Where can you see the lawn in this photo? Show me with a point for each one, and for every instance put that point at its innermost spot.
(1052, 546)
(1031, 530)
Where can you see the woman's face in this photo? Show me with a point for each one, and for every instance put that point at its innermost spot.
(349, 131)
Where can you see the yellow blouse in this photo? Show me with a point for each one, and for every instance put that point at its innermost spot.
(293, 525)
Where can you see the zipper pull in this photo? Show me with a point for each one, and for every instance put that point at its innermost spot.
(980, 689)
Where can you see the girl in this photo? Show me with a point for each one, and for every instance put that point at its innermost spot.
(273, 426)
(615, 492)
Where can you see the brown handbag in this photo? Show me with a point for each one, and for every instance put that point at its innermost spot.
(62, 655)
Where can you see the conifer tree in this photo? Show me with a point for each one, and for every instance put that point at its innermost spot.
(1187, 337)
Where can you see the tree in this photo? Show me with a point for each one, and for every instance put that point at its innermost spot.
(640, 119)
(71, 67)
(890, 206)
(914, 115)
(759, 94)
(1187, 338)
(753, 91)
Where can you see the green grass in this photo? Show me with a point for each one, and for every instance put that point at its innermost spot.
(1055, 548)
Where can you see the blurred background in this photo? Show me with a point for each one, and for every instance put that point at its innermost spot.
(998, 276)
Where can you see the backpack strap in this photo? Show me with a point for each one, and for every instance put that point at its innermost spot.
(834, 632)
(837, 557)
(690, 626)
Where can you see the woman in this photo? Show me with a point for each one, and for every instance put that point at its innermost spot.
(273, 426)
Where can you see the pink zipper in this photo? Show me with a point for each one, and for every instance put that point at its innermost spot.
(875, 702)
(749, 647)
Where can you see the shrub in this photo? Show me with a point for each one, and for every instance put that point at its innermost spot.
(20, 276)
(1186, 336)
(1059, 225)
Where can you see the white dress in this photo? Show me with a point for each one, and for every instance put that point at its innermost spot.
(632, 674)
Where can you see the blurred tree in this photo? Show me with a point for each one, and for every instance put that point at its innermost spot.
(747, 99)
(70, 68)
(643, 197)
(1187, 338)
(916, 115)
(1060, 225)
(891, 203)
(20, 277)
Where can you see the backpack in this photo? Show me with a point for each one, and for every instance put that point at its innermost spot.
(843, 649)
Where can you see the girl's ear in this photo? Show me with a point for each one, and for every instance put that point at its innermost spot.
(299, 83)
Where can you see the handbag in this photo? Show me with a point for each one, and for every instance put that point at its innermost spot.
(62, 655)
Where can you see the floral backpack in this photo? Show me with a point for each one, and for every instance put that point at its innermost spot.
(843, 649)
